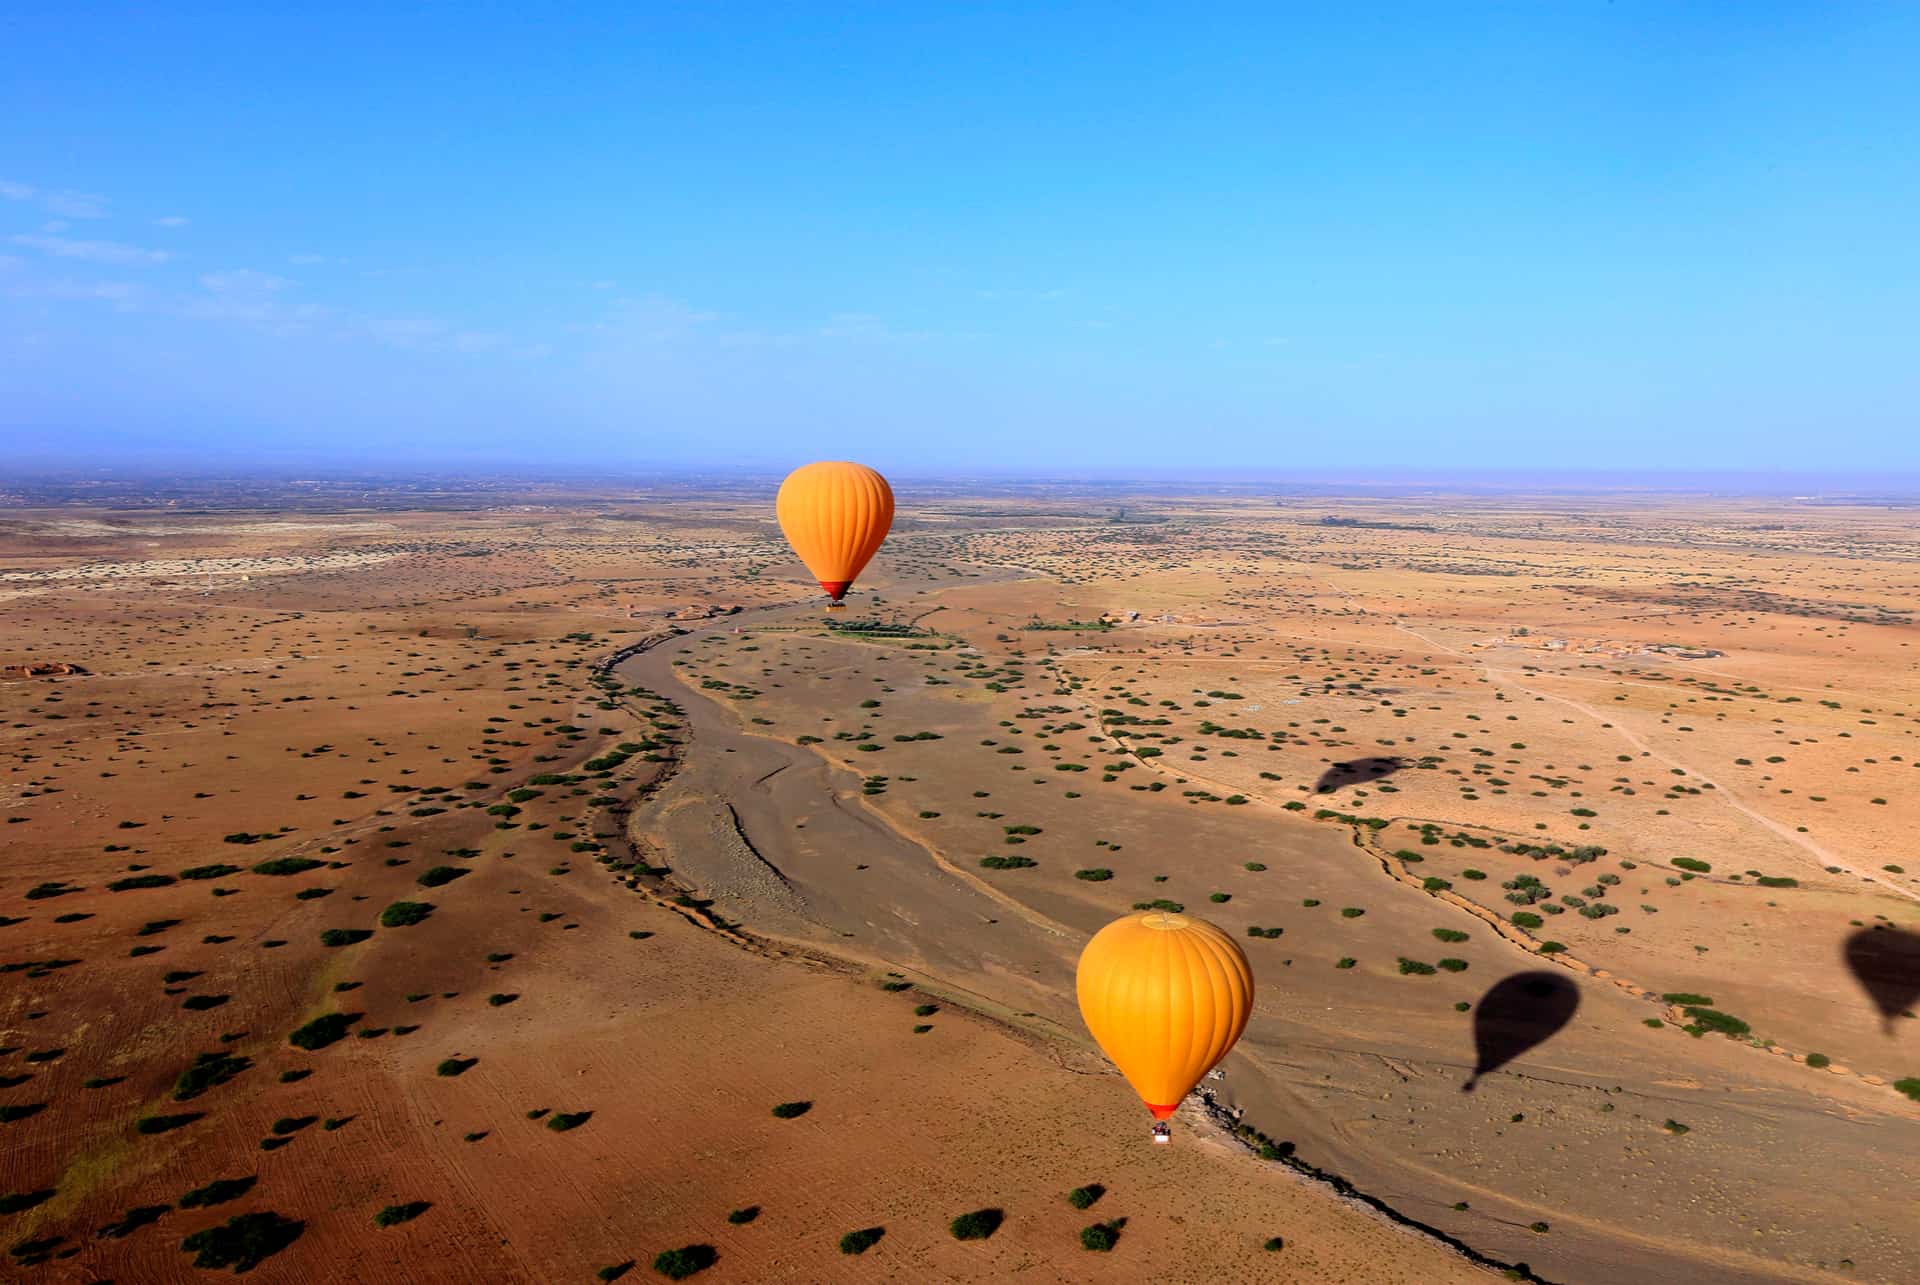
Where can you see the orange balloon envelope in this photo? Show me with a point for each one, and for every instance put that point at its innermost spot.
(1165, 995)
(835, 514)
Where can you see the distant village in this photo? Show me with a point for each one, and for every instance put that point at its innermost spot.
(1613, 647)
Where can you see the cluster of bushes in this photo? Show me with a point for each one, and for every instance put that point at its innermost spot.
(1526, 890)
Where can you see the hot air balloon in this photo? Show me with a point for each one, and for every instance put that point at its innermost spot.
(835, 514)
(1165, 996)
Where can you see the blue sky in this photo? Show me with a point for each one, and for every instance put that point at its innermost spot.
(1124, 237)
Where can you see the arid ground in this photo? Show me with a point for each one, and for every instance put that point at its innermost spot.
(419, 884)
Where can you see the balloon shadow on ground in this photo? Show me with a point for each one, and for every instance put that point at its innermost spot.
(1356, 772)
(1886, 963)
(1519, 1013)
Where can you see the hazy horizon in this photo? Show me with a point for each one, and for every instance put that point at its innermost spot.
(160, 473)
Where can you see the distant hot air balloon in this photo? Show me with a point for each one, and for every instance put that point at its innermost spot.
(835, 514)
(1165, 995)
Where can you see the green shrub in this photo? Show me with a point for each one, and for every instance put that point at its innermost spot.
(394, 1215)
(1414, 968)
(17, 1201)
(1008, 863)
(1352, 912)
(978, 1225)
(566, 1121)
(166, 1123)
(287, 866)
(1526, 919)
(1084, 1197)
(1454, 965)
(440, 876)
(217, 1192)
(678, 1264)
(1100, 1237)
(243, 1242)
(209, 872)
(791, 1110)
(1910, 1087)
(501, 999)
(746, 1215)
(1709, 1019)
(1688, 997)
(208, 1070)
(322, 1031)
(1819, 1061)
(456, 1066)
(344, 936)
(1346, 961)
(1693, 864)
(1099, 875)
(859, 1242)
(1449, 934)
(403, 914)
(132, 882)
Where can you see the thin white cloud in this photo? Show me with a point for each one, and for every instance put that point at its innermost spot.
(863, 327)
(242, 281)
(307, 260)
(405, 332)
(55, 225)
(242, 294)
(271, 313)
(125, 296)
(91, 251)
(1042, 296)
(172, 221)
(76, 205)
(651, 319)
(15, 191)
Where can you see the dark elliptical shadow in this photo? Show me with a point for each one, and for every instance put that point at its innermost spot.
(1886, 963)
(1519, 1013)
(1356, 772)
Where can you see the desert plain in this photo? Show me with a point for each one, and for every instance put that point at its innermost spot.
(500, 885)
